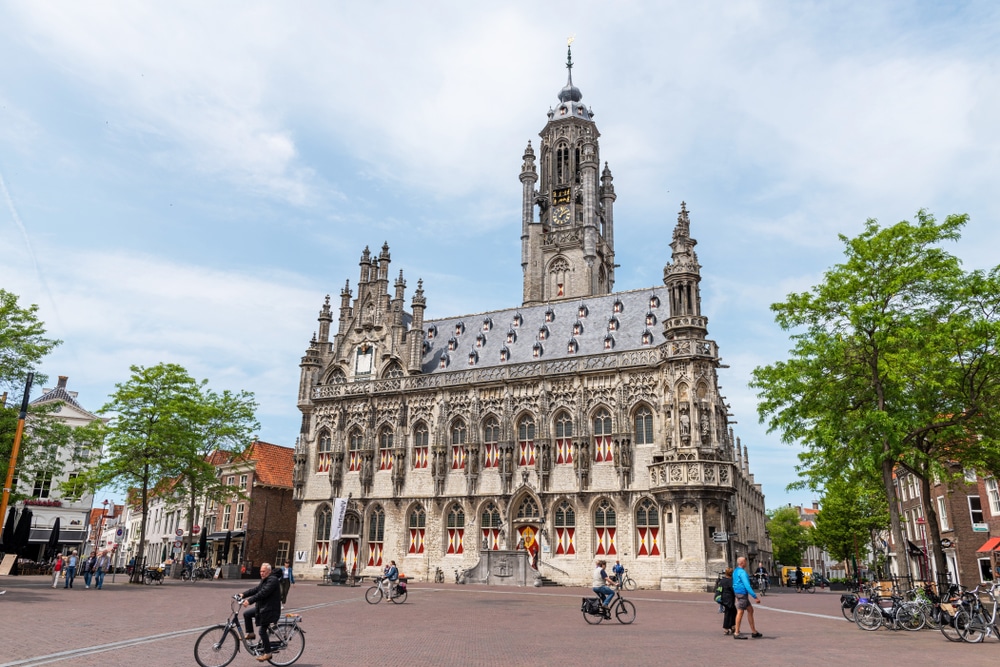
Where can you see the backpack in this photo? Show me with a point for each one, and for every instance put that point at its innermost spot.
(718, 591)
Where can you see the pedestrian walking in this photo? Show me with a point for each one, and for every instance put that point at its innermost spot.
(57, 569)
(87, 569)
(287, 579)
(727, 599)
(71, 564)
(101, 568)
(743, 591)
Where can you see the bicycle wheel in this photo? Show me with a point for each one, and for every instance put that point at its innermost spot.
(147, 579)
(847, 611)
(292, 641)
(811, 588)
(399, 597)
(629, 583)
(949, 628)
(216, 647)
(972, 627)
(185, 576)
(373, 595)
(868, 616)
(593, 619)
(625, 611)
(910, 617)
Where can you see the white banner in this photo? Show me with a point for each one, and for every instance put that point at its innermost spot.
(337, 525)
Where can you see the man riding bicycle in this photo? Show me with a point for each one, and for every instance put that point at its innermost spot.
(602, 583)
(760, 577)
(267, 599)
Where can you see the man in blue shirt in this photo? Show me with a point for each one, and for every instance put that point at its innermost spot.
(743, 591)
(618, 570)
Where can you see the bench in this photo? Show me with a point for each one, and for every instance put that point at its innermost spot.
(353, 580)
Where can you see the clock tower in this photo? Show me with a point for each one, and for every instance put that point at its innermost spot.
(567, 225)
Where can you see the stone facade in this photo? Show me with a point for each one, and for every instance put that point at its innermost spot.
(583, 424)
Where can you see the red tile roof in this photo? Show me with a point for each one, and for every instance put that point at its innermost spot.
(274, 463)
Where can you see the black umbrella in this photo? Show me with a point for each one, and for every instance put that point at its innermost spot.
(203, 545)
(8, 531)
(227, 544)
(23, 532)
(53, 547)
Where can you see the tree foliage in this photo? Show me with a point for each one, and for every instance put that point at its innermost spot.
(22, 343)
(788, 536)
(850, 511)
(895, 348)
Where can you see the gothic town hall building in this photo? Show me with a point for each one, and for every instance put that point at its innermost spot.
(583, 423)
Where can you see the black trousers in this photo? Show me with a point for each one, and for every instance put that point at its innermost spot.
(285, 585)
(263, 622)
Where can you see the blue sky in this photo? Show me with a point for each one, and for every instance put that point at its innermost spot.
(184, 182)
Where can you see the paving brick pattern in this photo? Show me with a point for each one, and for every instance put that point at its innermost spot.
(451, 625)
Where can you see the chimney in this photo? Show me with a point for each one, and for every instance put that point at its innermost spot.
(62, 381)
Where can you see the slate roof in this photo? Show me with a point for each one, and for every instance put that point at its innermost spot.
(605, 324)
(274, 463)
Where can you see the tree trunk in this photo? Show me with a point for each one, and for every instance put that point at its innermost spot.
(933, 529)
(897, 533)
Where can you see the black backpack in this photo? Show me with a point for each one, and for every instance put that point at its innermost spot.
(718, 591)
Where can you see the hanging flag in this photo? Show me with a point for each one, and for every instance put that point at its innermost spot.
(337, 521)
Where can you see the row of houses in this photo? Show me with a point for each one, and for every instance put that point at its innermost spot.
(258, 523)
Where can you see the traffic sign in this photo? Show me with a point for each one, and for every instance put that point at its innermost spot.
(179, 532)
(720, 537)
(195, 530)
(120, 532)
(177, 544)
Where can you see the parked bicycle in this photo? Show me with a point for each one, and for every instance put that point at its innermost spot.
(197, 574)
(438, 576)
(594, 612)
(627, 582)
(152, 574)
(975, 623)
(871, 615)
(217, 646)
(383, 588)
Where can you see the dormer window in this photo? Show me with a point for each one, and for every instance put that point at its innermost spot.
(578, 328)
(511, 337)
(654, 301)
(609, 342)
(650, 319)
(504, 354)
(487, 324)
(572, 346)
(536, 350)
(481, 340)
(582, 312)
(445, 360)
(618, 307)
(427, 347)
(550, 315)
(473, 358)
(647, 337)
(459, 328)
(543, 333)
(431, 332)
(452, 344)
(517, 320)
(613, 324)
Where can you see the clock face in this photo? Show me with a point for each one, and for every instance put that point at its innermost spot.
(560, 215)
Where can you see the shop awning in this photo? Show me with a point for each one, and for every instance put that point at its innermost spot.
(992, 544)
(219, 537)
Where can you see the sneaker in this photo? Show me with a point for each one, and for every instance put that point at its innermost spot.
(251, 636)
(264, 658)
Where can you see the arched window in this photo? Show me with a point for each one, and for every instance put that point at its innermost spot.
(421, 446)
(355, 442)
(563, 172)
(393, 370)
(643, 426)
(603, 449)
(376, 536)
(565, 524)
(605, 524)
(647, 528)
(337, 377)
(418, 523)
(323, 451)
(526, 441)
(491, 526)
(324, 519)
(456, 530)
(458, 450)
(385, 449)
(564, 438)
(491, 436)
(558, 277)
(528, 510)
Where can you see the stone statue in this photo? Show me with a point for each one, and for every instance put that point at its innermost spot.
(685, 422)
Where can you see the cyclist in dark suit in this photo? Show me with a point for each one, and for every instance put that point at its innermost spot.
(267, 599)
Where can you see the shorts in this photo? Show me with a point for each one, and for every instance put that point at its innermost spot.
(742, 600)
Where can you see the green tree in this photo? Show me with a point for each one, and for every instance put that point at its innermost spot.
(788, 536)
(22, 343)
(896, 346)
(227, 423)
(151, 435)
(850, 511)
